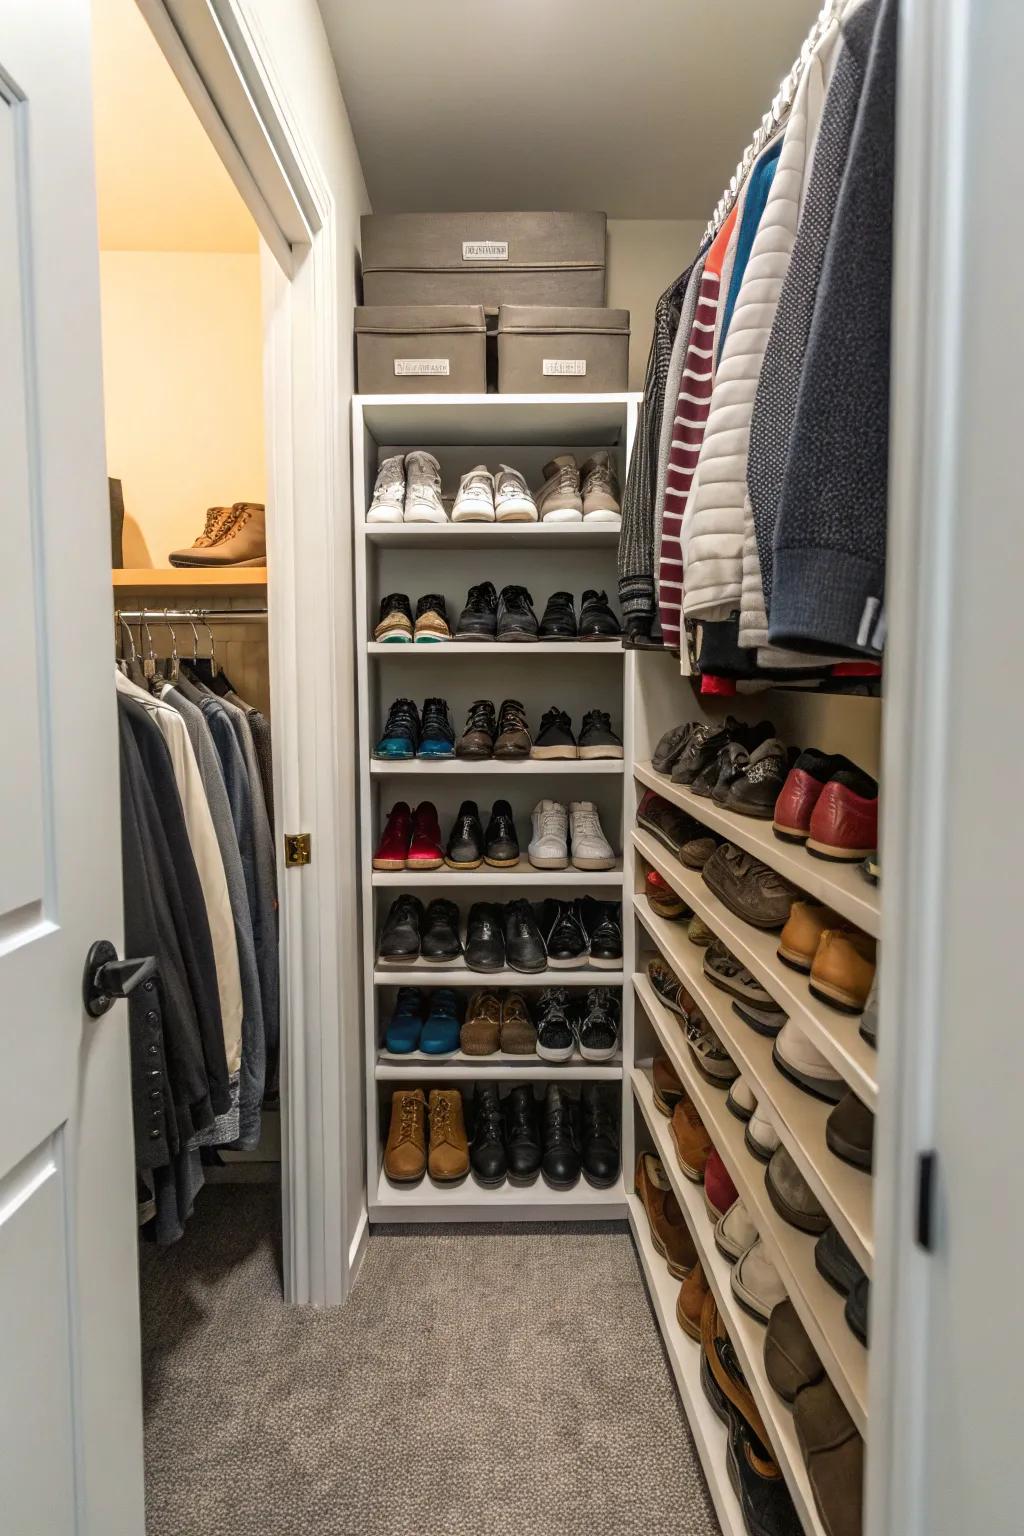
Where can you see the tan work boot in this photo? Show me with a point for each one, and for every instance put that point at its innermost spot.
(600, 489)
(218, 519)
(448, 1159)
(405, 1156)
(243, 541)
(559, 499)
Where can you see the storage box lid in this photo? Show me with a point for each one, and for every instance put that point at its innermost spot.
(482, 242)
(418, 319)
(558, 319)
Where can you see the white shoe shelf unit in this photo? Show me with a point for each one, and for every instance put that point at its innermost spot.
(418, 558)
(659, 697)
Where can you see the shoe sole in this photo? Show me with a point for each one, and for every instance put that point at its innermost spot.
(481, 514)
(725, 985)
(737, 1110)
(517, 637)
(613, 519)
(527, 970)
(657, 832)
(670, 916)
(397, 963)
(769, 1031)
(599, 639)
(439, 960)
(755, 812)
(662, 1104)
(748, 1306)
(857, 1157)
(714, 1215)
(474, 757)
(591, 863)
(539, 863)
(412, 1178)
(390, 638)
(435, 757)
(385, 515)
(692, 1330)
(695, 1175)
(486, 637)
(606, 962)
(449, 1180)
(420, 864)
(599, 1183)
(812, 1224)
(523, 1181)
(836, 997)
(389, 864)
(795, 960)
(431, 639)
(833, 1277)
(561, 1185)
(727, 1253)
(424, 515)
(836, 855)
(593, 754)
(517, 512)
(571, 964)
(557, 1053)
(503, 863)
(589, 1053)
(470, 1049)
(812, 1085)
(755, 1150)
(789, 834)
(485, 970)
(551, 754)
(564, 515)
(472, 864)
(487, 1183)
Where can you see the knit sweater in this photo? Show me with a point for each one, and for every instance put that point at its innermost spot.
(675, 373)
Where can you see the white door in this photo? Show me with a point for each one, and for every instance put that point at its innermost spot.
(70, 1396)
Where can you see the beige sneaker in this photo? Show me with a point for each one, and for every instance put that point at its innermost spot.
(242, 540)
(218, 520)
(559, 499)
(600, 490)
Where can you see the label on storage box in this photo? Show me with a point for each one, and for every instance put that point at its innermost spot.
(564, 365)
(485, 250)
(406, 367)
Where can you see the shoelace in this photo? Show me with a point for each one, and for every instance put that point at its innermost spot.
(568, 477)
(510, 483)
(402, 712)
(589, 823)
(481, 716)
(411, 1111)
(440, 1120)
(478, 482)
(597, 717)
(216, 517)
(236, 525)
(552, 823)
(435, 714)
(555, 716)
(600, 474)
(389, 476)
(512, 714)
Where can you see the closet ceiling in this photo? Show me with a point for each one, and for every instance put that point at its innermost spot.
(637, 107)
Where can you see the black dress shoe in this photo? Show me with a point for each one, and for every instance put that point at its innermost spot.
(440, 940)
(602, 922)
(466, 840)
(856, 1310)
(485, 943)
(565, 936)
(516, 618)
(597, 621)
(479, 619)
(400, 936)
(522, 1136)
(560, 1160)
(501, 845)
(599, 1134)
(559, 621)
(487, 1148)
(524, 947)
(764, 1499)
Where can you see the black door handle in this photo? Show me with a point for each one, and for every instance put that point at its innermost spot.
(106, 977)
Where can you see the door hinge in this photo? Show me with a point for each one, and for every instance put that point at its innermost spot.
(297, 848)
(924, 1215)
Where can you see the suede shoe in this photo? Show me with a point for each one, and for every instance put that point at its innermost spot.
(440, 1033)
(698, 932)
(565, 937)
(478, 737)
(394, 625)
(431, 620)
(833, 1453)
(516, 618)
(668, 1089)
(791, 1194)
(524, 947)
(600, 489)
(602, 923)
(665, 821)
(692, 1142)
(405, 1153)
(437, 736)
(448, 1150)
(749, 889)
(690, 1302)
(555, 739)
(392, 850)
(663, 900)
(559, 499)
(844, 822)
(597, 621)
(518, 1031)
(425, 844)
(597, 739)
(560, 1159)
(843, 969)
(440, 942)
(522, 1136)
(400, 935)
(485, 944)
(850, 1132)
(669, 1232)
(513, 739)
(487, 1149)
(559, 620)
(501, 845)
(479, 619)
(481, 1031)
(400, 738)
(790, 1359)
(466, 839)
(403, 1031)
(670, 745)
(599, 1135)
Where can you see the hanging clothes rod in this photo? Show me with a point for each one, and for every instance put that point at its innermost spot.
(188, 615)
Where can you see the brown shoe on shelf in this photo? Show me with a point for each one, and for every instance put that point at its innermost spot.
(481, 1029)
(699, 933)
(668, 1090)
(405, 1155)
(799, 939)
(834, 1454)
(669, 1232)
(448, 1158)
(690, 1302)
(693, 1144)
(518, 1031)
(241, 540)
(790, 1359)
(843, 969)
(217, 520)
(750, 889)
(513, 732)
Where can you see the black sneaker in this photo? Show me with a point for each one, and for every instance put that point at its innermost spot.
(555, 738)
(394, 626)
(437, 736)
(487, 1148)
(485, 943)
(401, 734)
(597, 739)
(597, 1028)
(466, 840)
(565, 936)
(729, 766)
(524, 947)
(516, 618)
(702, 747)
(477, 740)
(599, 1134)
(440, 942)
(400, 935)
(559, 621)
(479, 619)
(556, 1038)
(755, 791)
(522, 1136)
(602, 922)
(431, 620)
(501, 845)
(560, 1159)
(597, 621)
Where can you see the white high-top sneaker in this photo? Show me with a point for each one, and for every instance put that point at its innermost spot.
(590, 848)
(388, 501)
(513, 502)
(549, 847)
(423, 502)
(475, 500)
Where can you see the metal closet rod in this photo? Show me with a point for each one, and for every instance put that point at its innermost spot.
(187, 615)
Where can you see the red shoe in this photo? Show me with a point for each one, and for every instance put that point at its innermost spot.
(393, 848)
(662, 897)
(425, 851)
(719, 1190)
(844, 823)
(804, 784)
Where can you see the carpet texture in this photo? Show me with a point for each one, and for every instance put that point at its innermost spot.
(503, 1380)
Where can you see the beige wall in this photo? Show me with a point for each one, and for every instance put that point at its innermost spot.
(183, 376)
(644, 256)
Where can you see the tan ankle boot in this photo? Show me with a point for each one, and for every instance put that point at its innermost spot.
(218, 520)
(449, 1149)
(242, 541)
(405, 1156)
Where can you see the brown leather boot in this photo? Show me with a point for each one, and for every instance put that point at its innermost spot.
(843, 969)
(690, 1302)
(405, 1156)
(242, 541)
(448, 1159)
(669, 1232)
(693, 1144)
(217, 521)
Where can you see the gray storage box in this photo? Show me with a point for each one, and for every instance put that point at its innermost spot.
(558, 349)
(483, 258)
(413, 349)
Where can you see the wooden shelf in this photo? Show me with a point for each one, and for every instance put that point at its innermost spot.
(746, 1333)
(840, 886)
(416, 766)
(449, 650)
(492, 535)
(834, 1033)
(469, 1201)
(496, 1068)
(523, 874)
(237, 580)
(845, 1192)
(790, 1250)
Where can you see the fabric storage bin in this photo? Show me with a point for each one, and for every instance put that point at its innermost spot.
(544, 348)
(421, 349)
(483, 258)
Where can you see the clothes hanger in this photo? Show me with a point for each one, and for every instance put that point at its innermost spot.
(173, 666)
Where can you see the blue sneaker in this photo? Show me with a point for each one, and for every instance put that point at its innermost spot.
(403, 1031)
(437, 737)
(401, 732)
(440, 1036)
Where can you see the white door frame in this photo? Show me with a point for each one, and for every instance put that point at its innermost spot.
(223, 64)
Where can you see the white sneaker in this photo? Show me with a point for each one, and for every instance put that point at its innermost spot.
(513, 502)
(423, 502)
(388, 492)
(475, 500)
(549, 847)
(760, 1135)
(590, 848)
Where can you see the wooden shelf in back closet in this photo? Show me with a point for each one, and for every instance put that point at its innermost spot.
(238, 581)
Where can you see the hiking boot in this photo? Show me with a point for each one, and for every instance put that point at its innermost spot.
(423, 503)
(474, 500)
(218, 519)
(516, 618)
(448, 1157)
(388, 503)
(241, 539)
(477, 739)
(559, 499)
(394, 626)
(431, 620)
(513, 501)
(513, 739)
(405, 1154)
(479, 619)
(487, 1149)
(600, 489)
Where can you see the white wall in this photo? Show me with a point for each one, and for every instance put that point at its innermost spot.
(644, 257)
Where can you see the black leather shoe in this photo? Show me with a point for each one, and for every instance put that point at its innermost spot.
(599, 1135)
(501, 845)
(597, 1025)
(479, 619)
(602, 922)
(856, 1309)
(559, 621)
(597, 621)
(440, 940)
(560, 1160)
(487, 1149)
(485, 943)
(702, 749)
(400, 936)
(522, 1136)
(565, 935)
(524, 947)
(758, 1483)
(466, 840)
(516, 618)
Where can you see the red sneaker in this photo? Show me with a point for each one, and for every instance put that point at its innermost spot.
(804, 784)
(844, 823)
(662, 897)
(393, 848)
(719, 1190)
(425, 851)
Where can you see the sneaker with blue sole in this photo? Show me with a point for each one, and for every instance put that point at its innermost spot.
(440, 1033)
(437, 733)
(401, 736)
(403, 1032)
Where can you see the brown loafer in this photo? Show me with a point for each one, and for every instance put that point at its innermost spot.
(669, 1232)
(790, 1359)
(690, 1302)
(799, 939)
(481, 1031)
(843, 969)
(668, 1090)
(693, 1144)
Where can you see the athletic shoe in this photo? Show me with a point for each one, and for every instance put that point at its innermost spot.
(556, 1038)
(559, 499)
(388, 501)
(597, 1028)
(590, 848)
(400, 738)
(600, 489)
(423, 503)
(548, 846)
(597, 739)
(513, 502)
(474, 500)
(555, 739)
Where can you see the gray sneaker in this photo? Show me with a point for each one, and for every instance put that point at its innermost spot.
(513, 502)
(559, 499)
(388, 504)
(750, 889)
(600, 489)
(423, 502)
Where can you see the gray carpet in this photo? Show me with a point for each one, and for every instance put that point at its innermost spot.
(502, 1380)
